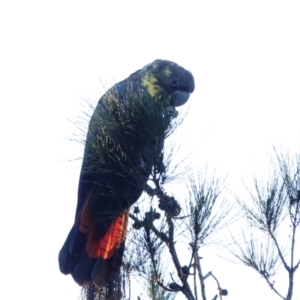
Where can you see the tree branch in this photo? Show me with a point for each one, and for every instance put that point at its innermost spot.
(279, 251)
(186, 288)
(271, 285)
(297, 265)
(201, 278)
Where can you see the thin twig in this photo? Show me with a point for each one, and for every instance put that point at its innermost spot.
(186, 288)
(279, 251)
(271, 285)
(201, 279)
(219, 287)
(297, 265)
(195, 281)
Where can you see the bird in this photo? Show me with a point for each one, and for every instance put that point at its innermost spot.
(124, 141)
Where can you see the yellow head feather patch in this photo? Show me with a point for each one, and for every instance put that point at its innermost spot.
(150, 83)
(167, 72)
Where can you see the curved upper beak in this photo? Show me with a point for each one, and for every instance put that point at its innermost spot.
(179, 98)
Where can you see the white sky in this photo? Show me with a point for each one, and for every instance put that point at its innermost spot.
(245, 59)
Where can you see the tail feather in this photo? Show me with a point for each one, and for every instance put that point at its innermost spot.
(106, 246)
(82, 270)
(106, 271)
(88, 256)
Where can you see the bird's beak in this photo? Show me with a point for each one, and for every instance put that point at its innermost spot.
(179, 98)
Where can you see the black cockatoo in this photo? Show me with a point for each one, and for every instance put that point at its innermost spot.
(124, 141)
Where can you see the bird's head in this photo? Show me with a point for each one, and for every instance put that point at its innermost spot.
(165, 78)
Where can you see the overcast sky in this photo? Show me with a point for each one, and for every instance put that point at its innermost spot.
(245, 59)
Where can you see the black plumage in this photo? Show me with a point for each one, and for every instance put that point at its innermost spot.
(125, 140)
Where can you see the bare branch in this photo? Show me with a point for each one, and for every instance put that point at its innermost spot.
(219, 287)
(201, 278)
(186, 289)
(195, 281)
(271, 285)
(279, 252)
(297, 265)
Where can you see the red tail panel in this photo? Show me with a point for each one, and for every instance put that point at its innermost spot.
(115, 235)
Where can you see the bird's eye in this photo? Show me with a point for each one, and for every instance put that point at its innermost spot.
(174, 82)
